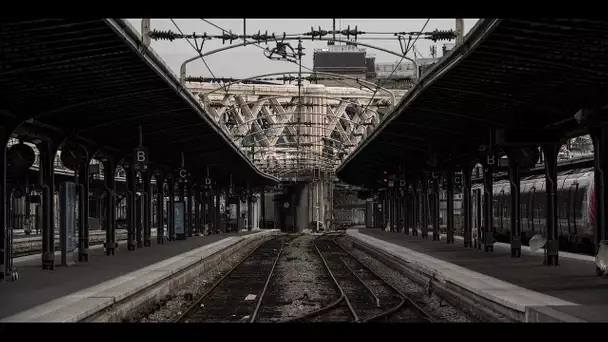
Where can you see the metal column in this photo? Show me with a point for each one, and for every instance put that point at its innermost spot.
(190, 217)
(551, 252)
(198, 202)
(109, 171)
(171, 209)
(488, 230)
(416, 207)
(131, 204)
(407, 213)
(450, 206)
(5, 235)
(238, 213)
(147, 200)
(139, 219)
(263, 208)
(425, 208)
(436, 206)
(83, 211)
(217, 210)
(514, 179)
(466, 198)
(160, 207)
(600, 148)
(249, 212)
(47, 152)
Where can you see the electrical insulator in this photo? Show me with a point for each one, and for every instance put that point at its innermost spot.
(164, 35)
(438, 35)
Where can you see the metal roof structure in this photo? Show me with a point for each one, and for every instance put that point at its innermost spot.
(507, 74)
(95, 79)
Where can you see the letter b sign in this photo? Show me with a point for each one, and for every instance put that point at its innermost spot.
(140, 157)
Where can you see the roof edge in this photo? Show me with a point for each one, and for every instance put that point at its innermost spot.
(477, 34)
(125, 30)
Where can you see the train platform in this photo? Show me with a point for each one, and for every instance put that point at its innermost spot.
(523, 288)
(70, 293)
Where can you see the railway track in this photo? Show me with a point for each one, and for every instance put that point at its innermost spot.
(364, 295)
(238, 295)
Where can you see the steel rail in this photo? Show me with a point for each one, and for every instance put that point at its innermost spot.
(217, 283)
(276, 260)
(332, 305)
(405, 298)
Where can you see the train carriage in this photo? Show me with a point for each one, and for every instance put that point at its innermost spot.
(574, 209)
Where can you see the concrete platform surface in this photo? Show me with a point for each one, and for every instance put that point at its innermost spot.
(36, 286)
(521, 281)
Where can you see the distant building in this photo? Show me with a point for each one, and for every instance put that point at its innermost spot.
(352, 61)
(347, 60)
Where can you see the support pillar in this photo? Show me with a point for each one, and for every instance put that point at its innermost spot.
(83, 211)
(211, 213)
(198, 202)
(425, 208)
(477, 242)
(488, 229)
(6, 257)
(263, 208)
(139, 219)
(160, 207)
(450, 206)
(217, 215)
(109, 172)
(400, 209)
(171, 209)
(599, 196)
(238, 213)
(416, 208)
(407, 214)
(249, 212)
(147, 193)
(466, 205)
(436, 211)
(181, 194)
(514, 179)
(552, 246)
(131, 205)
(48, 151)
(190, 215)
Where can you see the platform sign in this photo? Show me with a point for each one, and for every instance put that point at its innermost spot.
(208, 183)
(140, 158)
(180, 220)
(67, 226)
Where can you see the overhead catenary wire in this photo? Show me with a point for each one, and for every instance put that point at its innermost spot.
(196, 49)
(263, 48)
(397, 66)
(300, 65)
(227, 35)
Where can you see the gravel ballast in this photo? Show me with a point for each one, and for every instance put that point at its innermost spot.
(172, 306)
(300, 283)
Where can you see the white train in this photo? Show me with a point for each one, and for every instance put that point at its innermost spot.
(575, 209)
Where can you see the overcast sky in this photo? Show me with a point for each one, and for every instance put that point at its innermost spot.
(249, 61)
